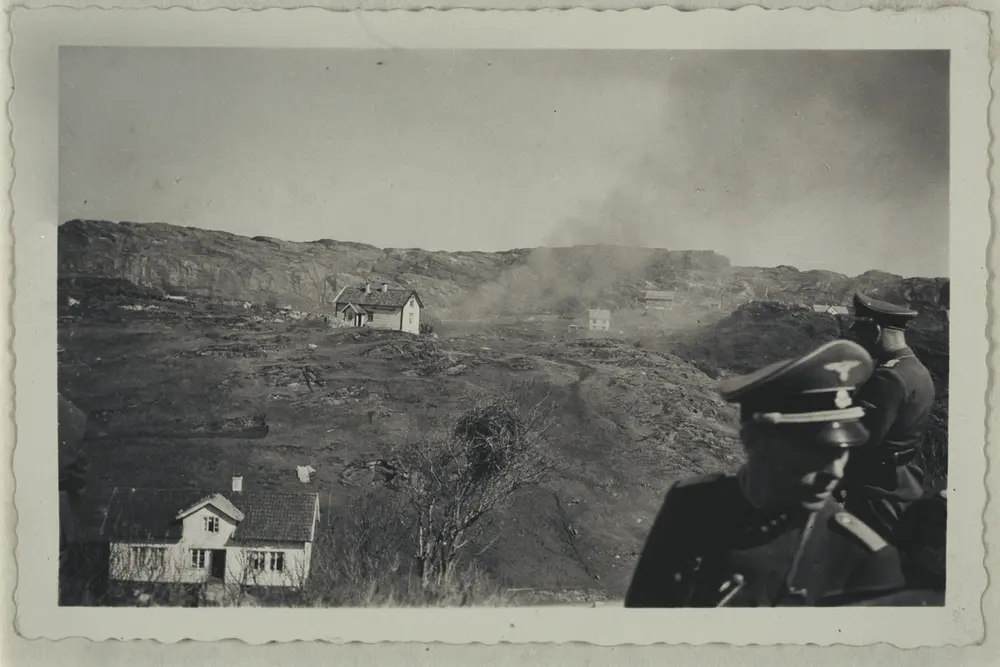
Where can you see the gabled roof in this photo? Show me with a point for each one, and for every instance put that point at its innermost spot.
(153, 514)
(393, 298)
(216, 500)
(351, 306)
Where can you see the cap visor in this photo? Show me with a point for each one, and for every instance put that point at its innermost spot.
(842, 434)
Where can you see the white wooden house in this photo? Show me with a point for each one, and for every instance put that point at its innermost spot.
(599, 319)
(383, 308)
(172, 536)
(830, 310)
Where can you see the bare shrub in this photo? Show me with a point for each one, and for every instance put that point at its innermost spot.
(456, 482)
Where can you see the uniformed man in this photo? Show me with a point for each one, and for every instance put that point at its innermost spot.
(772, 535)
(882, 479)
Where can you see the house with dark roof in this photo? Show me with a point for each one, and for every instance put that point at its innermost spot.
(659, 299)
(256, 538)
(382, 308)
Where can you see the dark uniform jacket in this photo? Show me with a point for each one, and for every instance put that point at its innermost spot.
(710, 547)
(898, 400)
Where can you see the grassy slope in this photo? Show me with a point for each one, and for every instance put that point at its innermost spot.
(627, 419)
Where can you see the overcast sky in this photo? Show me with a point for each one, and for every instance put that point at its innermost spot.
(813, 159)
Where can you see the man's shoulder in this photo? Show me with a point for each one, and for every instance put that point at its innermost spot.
(856, 531)
(906, 368)
(703, 488)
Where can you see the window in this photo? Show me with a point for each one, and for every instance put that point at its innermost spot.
(271, 560)
(148, 557)
(211, 524)
(198, 558)
(256, 560)
(411, 318)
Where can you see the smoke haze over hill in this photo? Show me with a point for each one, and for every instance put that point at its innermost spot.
(816, 159)
(778, 159)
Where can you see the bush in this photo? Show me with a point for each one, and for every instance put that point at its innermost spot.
(453, 483)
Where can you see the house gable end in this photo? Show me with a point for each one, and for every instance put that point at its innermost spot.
(217, 502)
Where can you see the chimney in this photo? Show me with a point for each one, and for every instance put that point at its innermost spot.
(385, 287)
(238, 484)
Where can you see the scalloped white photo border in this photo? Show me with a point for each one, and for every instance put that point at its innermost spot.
(37, 36)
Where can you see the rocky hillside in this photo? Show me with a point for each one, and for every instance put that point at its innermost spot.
(627, 420)
(453, 285)
(174, 332)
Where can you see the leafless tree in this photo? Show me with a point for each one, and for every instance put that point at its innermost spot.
(456, 482)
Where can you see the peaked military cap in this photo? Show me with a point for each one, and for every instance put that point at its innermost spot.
(815, 389)
(890, 315)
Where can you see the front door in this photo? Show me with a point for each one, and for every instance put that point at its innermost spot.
(219, 564)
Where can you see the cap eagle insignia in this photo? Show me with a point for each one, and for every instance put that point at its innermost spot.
(842, 368)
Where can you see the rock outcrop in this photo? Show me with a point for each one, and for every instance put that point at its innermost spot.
(308, 275)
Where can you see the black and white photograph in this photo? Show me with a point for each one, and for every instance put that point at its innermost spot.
(560, 329)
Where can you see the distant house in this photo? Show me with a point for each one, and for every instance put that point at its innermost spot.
(831, 310)
(659, 299)
(599, 320)
(383, 308)
(190, 536)
(304, 473)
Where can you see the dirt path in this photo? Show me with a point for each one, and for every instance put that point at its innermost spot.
(577, 405)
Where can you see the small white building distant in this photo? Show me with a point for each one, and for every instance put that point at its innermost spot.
(599, 319)
(659, 299)
(383, 308)
(831, 310)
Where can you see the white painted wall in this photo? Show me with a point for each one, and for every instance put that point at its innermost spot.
(174, 562)
(411, 316)
(241, 569)
(193, 529)
(385, 319)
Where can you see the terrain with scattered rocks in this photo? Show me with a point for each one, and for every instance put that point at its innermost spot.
(177, 333)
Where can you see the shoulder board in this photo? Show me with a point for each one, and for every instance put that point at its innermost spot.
(892, 363)
(860, 530)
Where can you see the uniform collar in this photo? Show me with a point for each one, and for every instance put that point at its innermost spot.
(902, 352)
